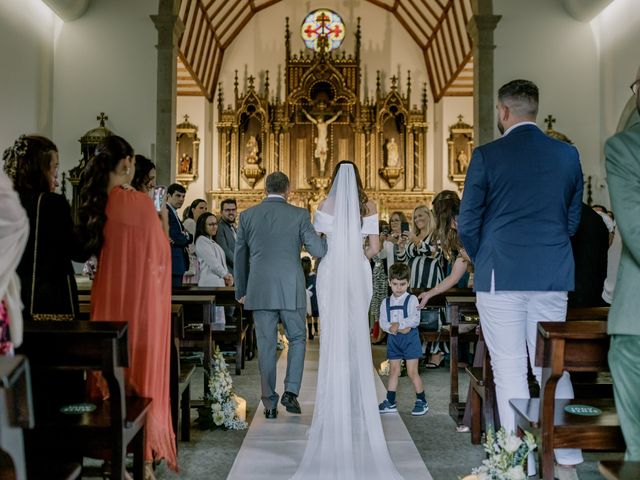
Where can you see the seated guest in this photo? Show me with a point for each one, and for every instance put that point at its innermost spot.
(213, 266)
(590, 245)
(192, 213)
(144, 180)
(49, 290)
(132, 282)
(179, 238)
(14, 233)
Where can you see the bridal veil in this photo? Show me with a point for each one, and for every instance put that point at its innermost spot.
(346, 440)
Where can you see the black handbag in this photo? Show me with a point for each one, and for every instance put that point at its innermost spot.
(430, 319)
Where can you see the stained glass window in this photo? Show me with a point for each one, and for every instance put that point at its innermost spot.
(322, 23)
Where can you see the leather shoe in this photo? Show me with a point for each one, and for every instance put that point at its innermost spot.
(270, 412)
(290, 401)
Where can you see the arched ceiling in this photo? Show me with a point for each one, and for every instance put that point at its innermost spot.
(437, 26)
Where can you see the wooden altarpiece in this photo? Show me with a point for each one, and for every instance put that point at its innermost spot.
(384, 136)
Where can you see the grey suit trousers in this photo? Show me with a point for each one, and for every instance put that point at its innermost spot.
(266, 324)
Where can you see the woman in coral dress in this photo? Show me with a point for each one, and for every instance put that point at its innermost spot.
(133, 282)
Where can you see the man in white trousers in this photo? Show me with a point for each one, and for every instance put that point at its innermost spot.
(522, 202)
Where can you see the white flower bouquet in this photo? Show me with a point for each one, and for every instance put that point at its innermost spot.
(507, 455)
(220, 409)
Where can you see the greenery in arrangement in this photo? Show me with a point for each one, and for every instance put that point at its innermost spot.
(220, 405)
(507, 455)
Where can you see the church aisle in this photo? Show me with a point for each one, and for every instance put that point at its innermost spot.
(272, 449)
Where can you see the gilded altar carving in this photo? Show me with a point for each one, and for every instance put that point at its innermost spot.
(320, 121)
(460, 144)
(187, 151)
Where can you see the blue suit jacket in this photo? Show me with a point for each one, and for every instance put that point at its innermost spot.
(180, 240)
(522, 201)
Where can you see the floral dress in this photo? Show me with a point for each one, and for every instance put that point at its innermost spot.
(6, 346)
(379, 288)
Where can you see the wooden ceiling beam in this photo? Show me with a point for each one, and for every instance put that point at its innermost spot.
(238, 29)
(240, 26)
(424, 18)
(225, 17)
(195, 77)
(417, 24)
(378, 3)
(266, 5)
(430, 8)
(215, 13)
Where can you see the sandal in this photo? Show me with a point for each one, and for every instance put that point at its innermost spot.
(462, 429)
(434, 364)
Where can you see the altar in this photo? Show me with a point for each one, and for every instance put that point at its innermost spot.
(322, 119)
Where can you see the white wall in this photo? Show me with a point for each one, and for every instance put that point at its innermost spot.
(27, 31)
(106, 62)
(539, 41)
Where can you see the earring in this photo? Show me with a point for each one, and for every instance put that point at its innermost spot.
(127, 171)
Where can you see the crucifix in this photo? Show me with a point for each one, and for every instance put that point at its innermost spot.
(550, 121)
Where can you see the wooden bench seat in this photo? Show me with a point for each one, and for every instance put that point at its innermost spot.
(619, 470)
(180, 384)
(575, 347)
(56, 349)
(65, 471)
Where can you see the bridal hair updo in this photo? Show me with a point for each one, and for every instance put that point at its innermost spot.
(362, 196)
(93, 191)
(446, 207)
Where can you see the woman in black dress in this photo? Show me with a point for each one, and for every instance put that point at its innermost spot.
(49, 290)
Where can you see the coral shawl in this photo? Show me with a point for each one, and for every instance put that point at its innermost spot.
(133, 283)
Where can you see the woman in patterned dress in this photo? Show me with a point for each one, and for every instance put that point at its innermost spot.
(379, 285)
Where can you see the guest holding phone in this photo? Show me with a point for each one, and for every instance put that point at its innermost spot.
(133, 282)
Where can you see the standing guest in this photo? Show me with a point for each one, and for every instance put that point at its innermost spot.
(613, 262)
(132, 283)
(213, 266)
(521, 204)
(14, 233)
(179, 238)
(391, 245)
(307, 269)
(144, 180)
(192, 213)
(227, 230)
(380, 286)
(400, 317)
(49, 290)
(622, 152)
(590, 245)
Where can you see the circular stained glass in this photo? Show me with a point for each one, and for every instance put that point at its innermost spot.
(322, 23)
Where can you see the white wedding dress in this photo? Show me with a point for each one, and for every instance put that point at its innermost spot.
(346, 440)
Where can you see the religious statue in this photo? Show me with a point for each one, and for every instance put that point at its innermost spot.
(393, 159)
(463, 161)
(321, 151)
(186, 164)
(252, 150)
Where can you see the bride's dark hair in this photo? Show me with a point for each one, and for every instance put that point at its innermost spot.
(362, 196)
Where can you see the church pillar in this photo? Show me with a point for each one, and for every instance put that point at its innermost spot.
(170, 28)
(481, 27)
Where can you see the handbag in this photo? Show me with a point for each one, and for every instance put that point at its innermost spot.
(430, 319)
(45, 316)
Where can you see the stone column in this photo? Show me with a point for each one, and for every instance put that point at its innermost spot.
(170, 28)
(481, 27)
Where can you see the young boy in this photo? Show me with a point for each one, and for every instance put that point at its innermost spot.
(400, 317)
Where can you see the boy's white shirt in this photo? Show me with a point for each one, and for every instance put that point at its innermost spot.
(413, 314)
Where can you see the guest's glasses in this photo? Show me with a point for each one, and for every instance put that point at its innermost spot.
(634, 86)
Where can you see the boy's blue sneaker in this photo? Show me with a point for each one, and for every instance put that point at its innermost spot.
(387, 407)
(420, 408)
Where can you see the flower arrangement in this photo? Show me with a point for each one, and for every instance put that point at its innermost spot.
(220, 404)
(507, 454)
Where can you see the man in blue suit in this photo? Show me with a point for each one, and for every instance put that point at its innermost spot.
(521, 204)
(178, 236)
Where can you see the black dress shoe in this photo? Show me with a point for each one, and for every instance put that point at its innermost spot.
(270, 412)
(290, 401)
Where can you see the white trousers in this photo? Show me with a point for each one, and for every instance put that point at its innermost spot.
(510, 324)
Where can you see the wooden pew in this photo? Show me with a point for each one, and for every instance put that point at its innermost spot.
(619, 470)
(180, 384)
(575, 347)
(16, 413)
(77, 347)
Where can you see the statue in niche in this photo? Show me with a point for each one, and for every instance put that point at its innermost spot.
(463, 161)
(186, 164)
(252, 150)
(322, 150)
(393, 158)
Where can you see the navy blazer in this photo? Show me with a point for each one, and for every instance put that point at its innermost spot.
(522, 201)
(180, 239)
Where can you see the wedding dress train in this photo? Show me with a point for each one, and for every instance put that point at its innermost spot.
(346, 440)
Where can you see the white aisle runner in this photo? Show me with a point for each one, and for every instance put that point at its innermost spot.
(272, 449)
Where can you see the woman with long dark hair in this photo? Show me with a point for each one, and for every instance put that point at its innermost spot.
(133, 281)
(49, 290)
(144, 180)
(213, 265)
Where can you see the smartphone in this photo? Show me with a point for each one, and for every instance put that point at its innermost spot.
(404, 227)
(159, 197)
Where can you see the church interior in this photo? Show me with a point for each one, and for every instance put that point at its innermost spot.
(220, 93)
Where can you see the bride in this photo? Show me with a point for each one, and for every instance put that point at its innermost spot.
(346, 440)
